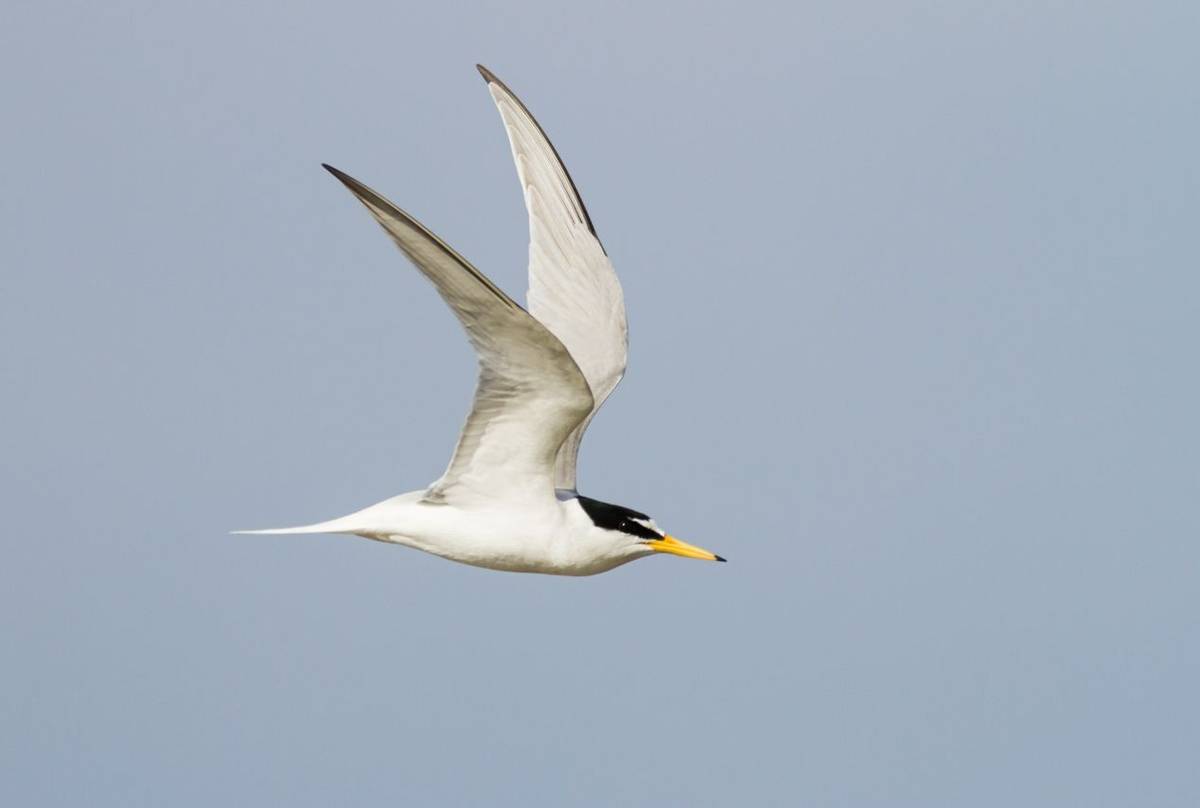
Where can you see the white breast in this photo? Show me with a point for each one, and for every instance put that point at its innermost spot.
(558, 539)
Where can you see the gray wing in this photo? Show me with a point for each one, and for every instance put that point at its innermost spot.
(530, 394)
(573, 288)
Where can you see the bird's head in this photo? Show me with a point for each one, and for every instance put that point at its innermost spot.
(637, 533)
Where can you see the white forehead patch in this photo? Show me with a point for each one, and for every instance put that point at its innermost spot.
(648, 524)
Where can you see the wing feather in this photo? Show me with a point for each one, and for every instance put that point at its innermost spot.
(573, 289)
(531, 393)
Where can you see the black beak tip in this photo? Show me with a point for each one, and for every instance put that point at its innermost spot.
(719, 558)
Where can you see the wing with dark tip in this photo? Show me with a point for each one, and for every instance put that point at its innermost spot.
(573, 289)
(531, 393)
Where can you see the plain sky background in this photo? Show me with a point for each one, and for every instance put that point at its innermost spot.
(913, 297)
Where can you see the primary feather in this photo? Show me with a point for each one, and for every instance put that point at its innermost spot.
(573, 288)
(530, 393)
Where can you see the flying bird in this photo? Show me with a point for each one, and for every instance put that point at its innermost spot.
(508, 500)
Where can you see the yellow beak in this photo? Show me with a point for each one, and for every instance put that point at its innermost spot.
(672, 545)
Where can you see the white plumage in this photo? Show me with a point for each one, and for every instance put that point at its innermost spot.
(573, 289)
(508, 499)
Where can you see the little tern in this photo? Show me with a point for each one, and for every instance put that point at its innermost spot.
(508, 500)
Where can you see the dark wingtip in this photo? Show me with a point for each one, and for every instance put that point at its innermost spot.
(343, 177)
(722, 560)
(488, 75)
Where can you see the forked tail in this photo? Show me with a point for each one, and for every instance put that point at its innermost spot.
(343, 525)
(377, 520)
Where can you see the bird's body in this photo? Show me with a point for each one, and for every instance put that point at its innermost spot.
(508, 500)
(556, 537)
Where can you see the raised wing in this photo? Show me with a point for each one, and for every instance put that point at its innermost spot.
(530, 394)
(573, 289)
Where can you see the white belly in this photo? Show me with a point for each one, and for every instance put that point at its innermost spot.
(547, 538)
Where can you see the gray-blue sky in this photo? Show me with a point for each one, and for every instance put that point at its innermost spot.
(913, 301)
